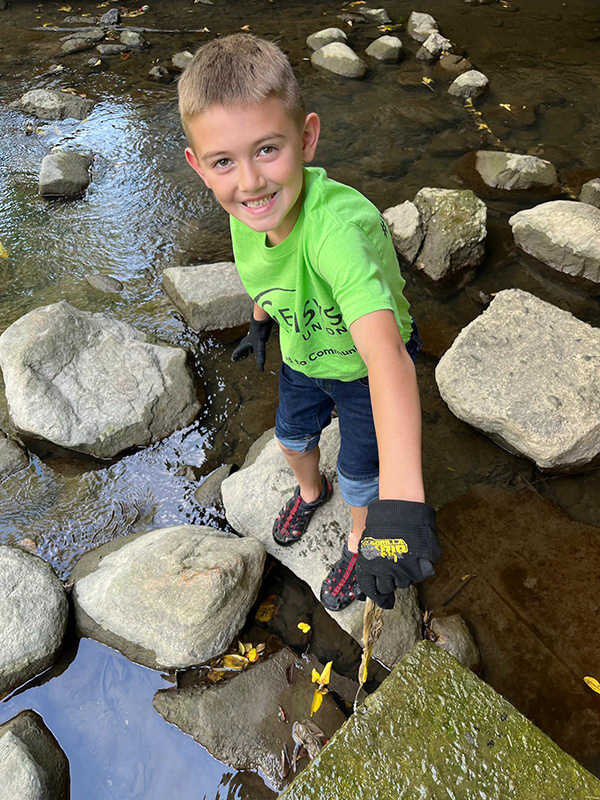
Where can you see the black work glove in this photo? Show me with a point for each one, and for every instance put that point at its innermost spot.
(255, 342)
(398, 547)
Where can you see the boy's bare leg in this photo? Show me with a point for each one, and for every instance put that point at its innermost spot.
(305, 467)
(359, 520)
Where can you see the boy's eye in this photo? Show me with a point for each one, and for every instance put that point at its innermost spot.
(267, 149)
(222, 162)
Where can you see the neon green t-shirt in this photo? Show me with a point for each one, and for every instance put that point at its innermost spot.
(337, 264)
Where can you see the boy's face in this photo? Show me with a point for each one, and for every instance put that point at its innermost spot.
(251, 157)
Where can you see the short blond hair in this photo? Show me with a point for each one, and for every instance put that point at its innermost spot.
(240, 69)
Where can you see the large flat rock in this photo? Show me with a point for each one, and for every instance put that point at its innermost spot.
(252, 513)
(210, 296)
(238, 720)
(171, 598)
(434, 730)
(50, 104)
(525, 373)
(33, 616)
(92, 383)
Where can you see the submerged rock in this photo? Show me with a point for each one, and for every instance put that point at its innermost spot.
(326, 36)
(524, 373)
(511, 171)
(238, 720)
(455, 230)
(210, 296)
(421, 26)
(48, 104)
(590, 193)
(470, 84)
(32, 764)
(133, 39)
(64, 174)
(92, 383)
(252, 514)
(111, 49)
(339, 58)
(386, 48)
(171, 598)
(13, 457)
(433, 729)
(105, 283)
(564, 235)
(33, 616)
(455, 64)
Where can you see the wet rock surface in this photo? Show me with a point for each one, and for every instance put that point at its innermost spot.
(48, 104)
(510, 171)
(590, 193)
(210, 296)
(253, 514)
(168, 599)
(339, 58)
(209, 491)
(217, 715)
(64, 174)
(470, 84)
(32, 764)
(33, 616)
(453, 636)
(405, 226)
(92, 383)
(500, 375)
(565, 236)
(13, 457)
(326, 36)
(460, 737)
(420, 26)
(386, 48)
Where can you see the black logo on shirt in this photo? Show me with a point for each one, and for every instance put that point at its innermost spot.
(313, 318)
(384, 226)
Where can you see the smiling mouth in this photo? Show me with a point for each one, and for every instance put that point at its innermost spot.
(259, 203)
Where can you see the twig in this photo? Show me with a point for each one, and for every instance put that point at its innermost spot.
(119, 28)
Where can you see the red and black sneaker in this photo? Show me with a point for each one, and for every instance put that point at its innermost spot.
(292, 521)
(340, 588)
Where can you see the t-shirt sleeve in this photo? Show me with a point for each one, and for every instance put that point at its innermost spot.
(352, 265)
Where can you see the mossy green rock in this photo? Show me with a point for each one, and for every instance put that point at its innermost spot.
(434, 730)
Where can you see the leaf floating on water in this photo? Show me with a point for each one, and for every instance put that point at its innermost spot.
(316, 702)
(268, 608)
(124, 56)
(469, 102)
(593, 684)
(3, 251)
(103, 5)
(507, 106)
(304, 627)
(427, 82)
(234, 661)
(66, 8)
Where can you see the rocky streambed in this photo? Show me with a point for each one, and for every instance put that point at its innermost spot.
(473, 128)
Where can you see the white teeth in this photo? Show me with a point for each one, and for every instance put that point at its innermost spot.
(259, 203)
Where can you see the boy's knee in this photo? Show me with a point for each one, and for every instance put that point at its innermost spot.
(296, 447)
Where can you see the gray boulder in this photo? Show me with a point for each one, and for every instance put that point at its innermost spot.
(511, 171)
(111, 49)
(386, 48)
(565, 235)
(32, 764)
(110, 17)
(209, 491)
(48, 104)
(339, 58)
(421, 26)
(524, 373)
(12, 457)
(218, 716)
(590, 193)
(433, 47)
(64, 174)
(210, 296)
(33, 616)
(252, 513)
(133, 39)
(92, 383)
(76, 45)
(182, 60)
(455, 638)
(455, 232)
(404, 222)
(326, 36)
(169, 599)
(470, 84)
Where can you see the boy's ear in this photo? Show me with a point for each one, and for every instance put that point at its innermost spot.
(310, 136)
(190, 157)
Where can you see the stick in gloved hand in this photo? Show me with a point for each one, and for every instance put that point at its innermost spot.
(398, 547)
(255, 342)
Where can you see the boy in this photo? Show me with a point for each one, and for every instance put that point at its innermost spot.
(317, 257)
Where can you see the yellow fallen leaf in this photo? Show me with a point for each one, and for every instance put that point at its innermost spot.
(241, 648)
(252, 655)
(234, 661)
(316, 676)
(316, 702)
(326, 674)
(3, 251)
(507, 106)
(245, 28)
(426, 80)
(304, 627)
(593, 684)
(66, 8)
(483, 127)
(268, 608)
(469, 102)
(103, 5)
(215, 676)
(357, 3)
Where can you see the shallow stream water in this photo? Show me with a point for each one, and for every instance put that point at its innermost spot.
(388, 135)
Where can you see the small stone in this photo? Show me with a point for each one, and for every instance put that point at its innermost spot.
(326, 36)
(433, 46)
(386, 48)
(105, 283)
(470, 84)
(64, 174)
(590, 193)
(340, 59)
(90, 35)
(405, 226)
(133, 39)
(110, 17)
(455, 64)
(378, 15)
(76, 46)
(111, 49)
(455, 638)
(421, 26)
(161, 74)
(182, 60)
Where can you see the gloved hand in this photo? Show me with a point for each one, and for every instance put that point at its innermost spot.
(255, 342)
(398, 546)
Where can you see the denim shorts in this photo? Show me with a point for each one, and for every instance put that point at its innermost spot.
(305, 406)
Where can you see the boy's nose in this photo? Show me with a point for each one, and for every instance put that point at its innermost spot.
(250, 179)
